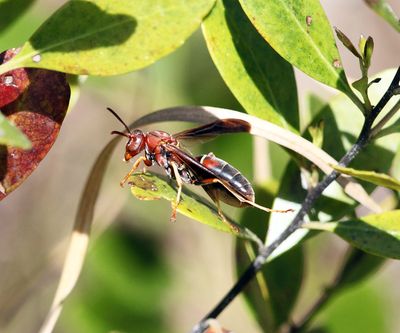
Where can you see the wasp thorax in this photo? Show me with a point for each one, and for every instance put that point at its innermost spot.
(135, 144)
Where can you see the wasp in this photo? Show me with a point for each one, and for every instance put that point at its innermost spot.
(220, 180)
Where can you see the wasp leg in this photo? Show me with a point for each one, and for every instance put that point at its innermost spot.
(221, 214)
(241, 199)
(134, 167)
(179, 182)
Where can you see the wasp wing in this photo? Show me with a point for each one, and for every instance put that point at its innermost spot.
(198, 170)
(204, 176)
(211, 130)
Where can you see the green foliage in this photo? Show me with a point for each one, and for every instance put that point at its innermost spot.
(254, 45)
(122, 36)
(151, 187)
(372, 177)
(376, 234)
(261, 80)
(310, 35)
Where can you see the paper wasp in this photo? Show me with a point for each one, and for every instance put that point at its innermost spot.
(220, 180)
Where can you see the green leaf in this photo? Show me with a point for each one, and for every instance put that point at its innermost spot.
(314, 105)
(11, 135)
(11, 10)
(152, 187)
(377, 234)
(383, 9)
(273, 293)
(300, 32)
(101, 37)
(259, 78)
(380, 179)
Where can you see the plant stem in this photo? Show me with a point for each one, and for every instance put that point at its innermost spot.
(376, 129)
(308, 202)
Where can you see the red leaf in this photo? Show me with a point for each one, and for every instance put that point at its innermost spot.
(36, 101)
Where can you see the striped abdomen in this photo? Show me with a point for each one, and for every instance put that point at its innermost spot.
(236, 185)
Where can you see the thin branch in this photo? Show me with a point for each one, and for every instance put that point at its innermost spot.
(376, 129)
(308, 202)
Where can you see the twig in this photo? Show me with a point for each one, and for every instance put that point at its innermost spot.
(376, 129)
(308, 202)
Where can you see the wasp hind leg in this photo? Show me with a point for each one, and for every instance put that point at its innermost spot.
(234, 228)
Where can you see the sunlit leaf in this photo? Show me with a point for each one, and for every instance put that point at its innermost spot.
(377, 234)
(380, 179)
(261, 80)
(36, 102)
(300, 32)
(152, 187)
(101, 37)
(11, 135)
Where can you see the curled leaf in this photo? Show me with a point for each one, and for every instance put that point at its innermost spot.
(36, 102)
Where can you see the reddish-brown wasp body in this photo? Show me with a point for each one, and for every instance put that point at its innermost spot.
(219, 179)
(231, 176)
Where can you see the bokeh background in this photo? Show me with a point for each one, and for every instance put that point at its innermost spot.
(142, 273)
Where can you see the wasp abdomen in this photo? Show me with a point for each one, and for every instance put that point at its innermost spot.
(227, 173)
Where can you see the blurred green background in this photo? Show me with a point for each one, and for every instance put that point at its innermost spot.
(142, 273)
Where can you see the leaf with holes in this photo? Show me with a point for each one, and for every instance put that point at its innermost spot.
(102, 37)
(300, 32)
(35, 101)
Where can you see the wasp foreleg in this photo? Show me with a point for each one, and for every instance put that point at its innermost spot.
(134, 167)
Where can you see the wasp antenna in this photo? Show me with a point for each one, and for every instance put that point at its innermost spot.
(120, 133)
(121, 121)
